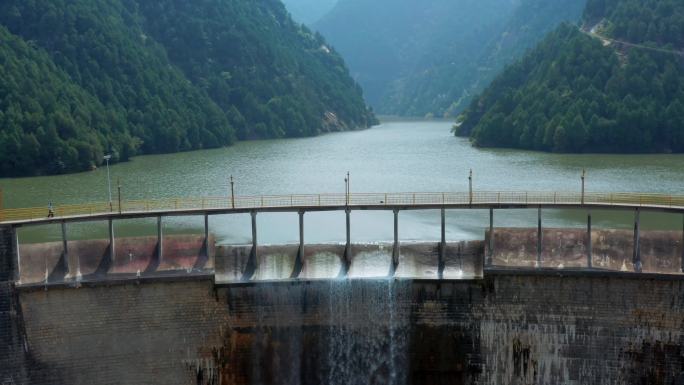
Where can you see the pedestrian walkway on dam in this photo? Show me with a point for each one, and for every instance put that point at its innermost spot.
(538, 248)
(330, 202)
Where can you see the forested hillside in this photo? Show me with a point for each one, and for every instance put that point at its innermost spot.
(49, 123)
(579, 92)
(417, 58)
(168, 76)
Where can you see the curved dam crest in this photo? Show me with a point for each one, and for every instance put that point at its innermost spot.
(176, 321)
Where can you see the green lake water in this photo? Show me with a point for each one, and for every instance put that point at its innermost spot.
(396, 156)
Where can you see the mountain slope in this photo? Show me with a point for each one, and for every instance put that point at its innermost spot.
(104, 51)
(446, 88)
(581, 93)
(49, 124)
(174, 77)
(419, 58)
(274, 78)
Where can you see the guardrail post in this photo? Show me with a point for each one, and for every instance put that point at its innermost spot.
(160, 239)
(636, 258)
(395, 247)
(347, 248)
(539, 237)
(299, 262)
(442, 245)
(490, 252)
(589, 246)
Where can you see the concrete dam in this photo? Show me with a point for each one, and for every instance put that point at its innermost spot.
(521, 306)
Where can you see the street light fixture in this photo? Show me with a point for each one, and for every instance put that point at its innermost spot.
(109, 181)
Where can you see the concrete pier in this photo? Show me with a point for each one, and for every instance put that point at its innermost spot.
(346, 260)
(64, 269)
(160, 239)
(395, 246)
(206, 235)
(539, 237)
(253, 262)
(490, 245)
(589, 251)
(299, 261)
(636, 260)
(112, 245)
(442, 244)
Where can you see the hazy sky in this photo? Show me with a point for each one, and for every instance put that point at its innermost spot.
(309, 11)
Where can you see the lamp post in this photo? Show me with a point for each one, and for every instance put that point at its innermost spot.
(470, 187)
(232, 192)
(109, 181)
(346, 189)
(118, 186)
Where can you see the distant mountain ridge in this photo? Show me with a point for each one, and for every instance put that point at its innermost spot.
(429, 58)
(618, 89)
(309, 11)
(138, 77)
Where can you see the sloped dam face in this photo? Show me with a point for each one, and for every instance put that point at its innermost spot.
(505, 329)
(502, 327)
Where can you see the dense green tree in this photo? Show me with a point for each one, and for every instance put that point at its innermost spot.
(82, 78)
(580, 95)
(48, 124)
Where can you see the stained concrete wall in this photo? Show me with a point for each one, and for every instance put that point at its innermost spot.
(661, 251)
(14, 361)
(90, 259)
(510, 328)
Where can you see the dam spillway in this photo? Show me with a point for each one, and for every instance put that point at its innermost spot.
(193, 318)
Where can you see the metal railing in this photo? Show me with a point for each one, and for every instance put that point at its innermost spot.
(416, 199)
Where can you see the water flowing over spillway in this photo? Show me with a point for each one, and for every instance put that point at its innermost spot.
(362, 336)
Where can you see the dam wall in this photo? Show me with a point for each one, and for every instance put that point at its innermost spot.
(14, 361)
(497, 325)
(508, 328)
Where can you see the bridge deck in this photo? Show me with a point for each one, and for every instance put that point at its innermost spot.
(331, 202)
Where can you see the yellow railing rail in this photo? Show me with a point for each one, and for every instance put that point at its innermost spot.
(357, 199)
